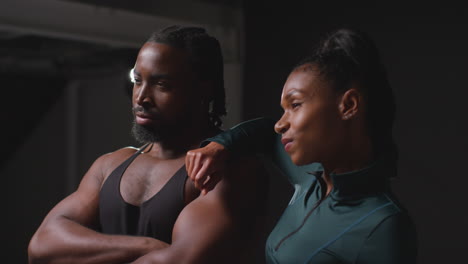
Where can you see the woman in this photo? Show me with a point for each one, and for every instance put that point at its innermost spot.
(338, 117)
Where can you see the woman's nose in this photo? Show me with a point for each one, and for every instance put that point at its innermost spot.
(282, 125)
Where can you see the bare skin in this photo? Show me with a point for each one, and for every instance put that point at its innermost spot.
(220, 220)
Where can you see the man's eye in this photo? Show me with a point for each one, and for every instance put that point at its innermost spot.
(163, 85)
(136, 80)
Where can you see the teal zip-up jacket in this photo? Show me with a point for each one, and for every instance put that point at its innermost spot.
(358, 222)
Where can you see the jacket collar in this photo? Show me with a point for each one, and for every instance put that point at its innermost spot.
(367, 181)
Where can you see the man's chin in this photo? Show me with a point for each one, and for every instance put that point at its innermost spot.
(145, 134)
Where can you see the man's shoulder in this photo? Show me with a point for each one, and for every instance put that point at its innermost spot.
(247, 166)
(111, 160)
(118, 154)
(125, 151)
(247, 177)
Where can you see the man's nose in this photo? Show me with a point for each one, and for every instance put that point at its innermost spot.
(142, 97)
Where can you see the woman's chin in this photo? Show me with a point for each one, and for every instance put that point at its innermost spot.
(300, 160)
(297, 160)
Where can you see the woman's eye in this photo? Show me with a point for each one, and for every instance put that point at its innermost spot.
(295, 105)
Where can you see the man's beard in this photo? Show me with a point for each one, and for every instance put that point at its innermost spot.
(143, 134)
(163, 132)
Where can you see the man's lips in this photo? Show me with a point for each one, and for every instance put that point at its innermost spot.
(144, 118)
(287, 142)
(143, 115)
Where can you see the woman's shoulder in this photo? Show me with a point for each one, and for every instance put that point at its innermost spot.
(391, 235)
(389, 216)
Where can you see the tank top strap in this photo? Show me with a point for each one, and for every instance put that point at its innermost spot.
(133, 157)
(114, 178)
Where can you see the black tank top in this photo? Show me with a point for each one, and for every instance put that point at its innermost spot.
(153, 218)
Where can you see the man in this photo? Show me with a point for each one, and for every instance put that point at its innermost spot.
(138, 204)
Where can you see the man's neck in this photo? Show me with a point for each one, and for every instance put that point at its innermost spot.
(178, 145)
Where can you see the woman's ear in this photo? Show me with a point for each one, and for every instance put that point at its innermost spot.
(350, 104)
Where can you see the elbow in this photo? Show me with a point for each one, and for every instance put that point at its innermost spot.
(35, 253)
(39, 249)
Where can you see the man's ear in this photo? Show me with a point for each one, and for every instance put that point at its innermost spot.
(350, 104)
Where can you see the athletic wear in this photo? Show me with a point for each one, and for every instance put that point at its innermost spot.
(358, 222)
(153, 218)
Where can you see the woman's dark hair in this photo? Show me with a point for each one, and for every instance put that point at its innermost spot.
(205, 57)
(346, 57)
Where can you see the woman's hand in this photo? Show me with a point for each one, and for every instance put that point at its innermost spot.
(204, 164)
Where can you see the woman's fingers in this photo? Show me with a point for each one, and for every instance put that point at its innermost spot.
(202, 174)
(189, 163)
(197, 164)
(211, 183)
(203, 164)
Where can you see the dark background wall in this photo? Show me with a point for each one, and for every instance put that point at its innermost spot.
(423, 47)
(425, 50)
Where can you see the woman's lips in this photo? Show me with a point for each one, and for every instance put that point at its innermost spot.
(287, 142)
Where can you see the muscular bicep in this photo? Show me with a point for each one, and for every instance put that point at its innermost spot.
(82, 205)
(204, 229)
(215, 227)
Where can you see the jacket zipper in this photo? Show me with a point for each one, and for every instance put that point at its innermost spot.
(324, 190)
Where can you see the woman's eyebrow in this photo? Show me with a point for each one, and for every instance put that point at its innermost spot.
(293, 92)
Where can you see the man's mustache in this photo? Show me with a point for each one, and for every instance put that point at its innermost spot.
(141, 109)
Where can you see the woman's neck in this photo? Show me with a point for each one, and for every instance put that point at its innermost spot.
(356, 155)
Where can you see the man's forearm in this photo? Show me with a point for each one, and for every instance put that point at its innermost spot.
(65, 241)
(175, 255)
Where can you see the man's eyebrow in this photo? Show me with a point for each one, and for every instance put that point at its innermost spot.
(160, 76)
(154, 76)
